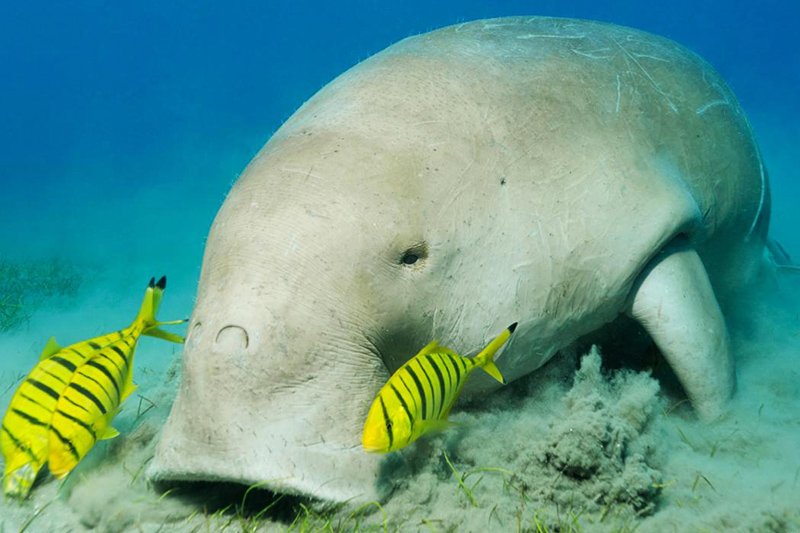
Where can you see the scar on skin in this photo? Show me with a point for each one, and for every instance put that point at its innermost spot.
(703, 108)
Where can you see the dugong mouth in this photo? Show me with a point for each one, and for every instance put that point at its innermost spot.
(229, 425)
(299, 476)
(320, 471)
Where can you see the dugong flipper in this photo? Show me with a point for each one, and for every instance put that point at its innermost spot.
(554, 172)
(674, 301)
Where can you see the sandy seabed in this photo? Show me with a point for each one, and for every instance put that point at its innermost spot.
(576, 446)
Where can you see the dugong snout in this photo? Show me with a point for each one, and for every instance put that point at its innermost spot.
(226, 420)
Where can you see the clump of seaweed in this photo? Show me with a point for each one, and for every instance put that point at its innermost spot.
(597, 449)
(26, 285)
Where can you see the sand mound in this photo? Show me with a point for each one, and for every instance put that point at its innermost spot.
(592, 450)
(572, 447)
(601, 446)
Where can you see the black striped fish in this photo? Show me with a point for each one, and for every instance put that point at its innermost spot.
(419, 396)
(68, 400)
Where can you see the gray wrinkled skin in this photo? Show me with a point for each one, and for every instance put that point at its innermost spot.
(554, 172)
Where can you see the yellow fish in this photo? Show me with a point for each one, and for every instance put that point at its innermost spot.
(68, 400)
(419, 396)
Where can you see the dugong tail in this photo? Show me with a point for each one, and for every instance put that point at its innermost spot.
(485, 359)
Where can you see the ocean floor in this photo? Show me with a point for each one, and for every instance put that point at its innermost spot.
(581, 445)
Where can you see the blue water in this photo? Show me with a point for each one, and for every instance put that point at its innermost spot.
(123, 99)
(123, 124)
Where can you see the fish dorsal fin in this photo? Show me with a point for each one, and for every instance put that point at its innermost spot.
(445, 349)
(50, 349)
(430, 347)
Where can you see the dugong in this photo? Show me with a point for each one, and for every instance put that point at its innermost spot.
(556, 173)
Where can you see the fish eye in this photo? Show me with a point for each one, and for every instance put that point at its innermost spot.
(414, 254)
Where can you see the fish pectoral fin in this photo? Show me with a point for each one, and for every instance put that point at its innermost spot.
(165, 335)
(440, 425)
(50, 349)
(109, 433)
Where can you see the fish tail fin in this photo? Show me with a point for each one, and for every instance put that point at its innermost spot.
(149, 308)
(485, 359)
(152, 299)
(490, 368)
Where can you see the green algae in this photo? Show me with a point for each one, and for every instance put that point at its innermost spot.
(27, 285)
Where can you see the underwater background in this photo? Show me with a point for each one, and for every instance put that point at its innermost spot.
(124, 124)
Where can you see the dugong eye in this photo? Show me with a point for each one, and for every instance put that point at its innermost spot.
(415, 254)
(409, 258)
